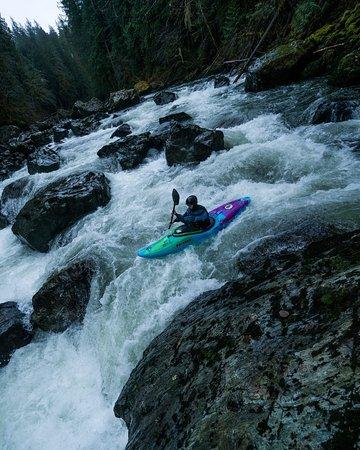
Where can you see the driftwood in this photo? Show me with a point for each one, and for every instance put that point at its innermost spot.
(329, 47)
(233, 61)
(248, 61)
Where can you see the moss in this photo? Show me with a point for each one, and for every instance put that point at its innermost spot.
(347, 73)
(322, 35)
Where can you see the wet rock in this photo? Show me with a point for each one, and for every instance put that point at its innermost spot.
(82, 127)
(221, 81)
(333, 111)
(123, 99)
(164, 97)
(347, 73)
(8, 132)
(58, 206)
(191, 144)
(60, 133)
(13, 332)
(3, 221)
(43, 161)
(62, 300)
(41, 138)
(176, 117)
(230, 372)
(84, 109)
(122, 131)
(10, 161)
(131, 151)
(14, 196)
(281, 66)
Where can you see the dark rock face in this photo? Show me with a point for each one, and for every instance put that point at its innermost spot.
(123, 99)
(3, 221)
(162, 98)
(82, 127)
(84, 109)
(8, 132)
(62, 300)
(59, 134)
(10, 161)
(191, 144)
(13, 197)
(43, 161)
(333, 111)
(131, 151)
(177, 117)
(58, 206)
(270, 361)
(221, 81)
(281, 66)
(122, 131)
(41, 138)
(13, 333)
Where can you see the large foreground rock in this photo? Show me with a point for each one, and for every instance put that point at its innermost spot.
(13, 333)
(270, 362)
(131, 151)
(62, 300)
(58, 206)
(84, 109)
(123, 99)
(191, 144)
(43, 161)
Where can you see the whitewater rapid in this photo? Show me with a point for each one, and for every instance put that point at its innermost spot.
(58, 392)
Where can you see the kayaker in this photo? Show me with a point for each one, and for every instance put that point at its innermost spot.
(196, 216)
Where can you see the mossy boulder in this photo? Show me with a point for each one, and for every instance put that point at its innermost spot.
(281, 66)
(142, 87)
(347, 72)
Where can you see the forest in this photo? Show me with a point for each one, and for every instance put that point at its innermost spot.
(100, 46)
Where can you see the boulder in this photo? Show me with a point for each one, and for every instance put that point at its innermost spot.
(176, 117)
(84, 109)
(164, 97)
(333, 111)
(58, 206)
(82, 127)
(11, 160)
(13, 333)
(8, 132)
(283, 65)
(60, 133)
(62, 300)
(43, 161)
(41, 138)
(347, 72)
(3, 221)
(191, 144)
(131, 151)
(269, 362)
(123, 99)
(142, 87)
(122, 131)
(221, 81)
(14, 197)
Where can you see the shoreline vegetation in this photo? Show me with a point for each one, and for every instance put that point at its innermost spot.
(103, 46)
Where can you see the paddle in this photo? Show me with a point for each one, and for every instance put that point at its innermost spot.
(176, 200)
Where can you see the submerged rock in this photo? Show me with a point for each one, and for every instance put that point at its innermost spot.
(191, 144)
(122, 131)
(131, 151)
(62, 300)
(43, 161)
(281, 66)
(13, 332)
(58, 206)
(333, 111)
(270, 362)
(84, 109)
(123, 99)
(164, 97)
(176, 117)
(221, 81)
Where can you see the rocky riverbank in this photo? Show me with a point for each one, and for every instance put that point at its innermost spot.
(270, 360)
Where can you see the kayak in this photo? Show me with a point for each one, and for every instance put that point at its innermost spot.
(176, 240)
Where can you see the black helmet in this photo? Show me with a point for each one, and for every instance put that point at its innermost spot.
(192, 200)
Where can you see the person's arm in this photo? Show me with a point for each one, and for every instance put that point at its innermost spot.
(184, 218)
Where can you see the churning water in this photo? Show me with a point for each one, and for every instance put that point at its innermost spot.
(59, 391)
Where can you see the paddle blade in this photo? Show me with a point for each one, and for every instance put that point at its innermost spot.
(176, 197)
